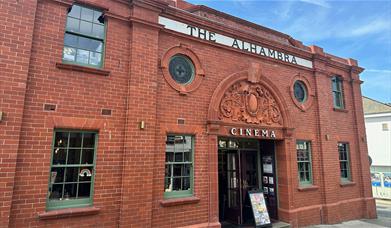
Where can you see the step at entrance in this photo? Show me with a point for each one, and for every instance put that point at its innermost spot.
(281, 225)
(278, 224)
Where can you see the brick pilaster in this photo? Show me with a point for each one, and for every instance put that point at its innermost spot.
(16, 34)
(137, 183)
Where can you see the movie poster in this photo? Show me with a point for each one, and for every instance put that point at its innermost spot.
(267, 164)
(375, 179)
(258, 204)
(387, 180)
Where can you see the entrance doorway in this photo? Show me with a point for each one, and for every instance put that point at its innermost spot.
(245, 165)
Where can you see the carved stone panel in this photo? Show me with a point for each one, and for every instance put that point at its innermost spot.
(250, 103)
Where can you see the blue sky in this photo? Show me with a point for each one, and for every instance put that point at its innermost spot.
(350, 29)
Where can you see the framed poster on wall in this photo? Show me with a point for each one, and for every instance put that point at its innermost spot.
(267, 164)
(387, 180)
(258, 205)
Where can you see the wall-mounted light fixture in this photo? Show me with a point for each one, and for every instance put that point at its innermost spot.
(1, 116)
(142, 124)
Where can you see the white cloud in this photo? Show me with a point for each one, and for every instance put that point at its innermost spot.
(321, 3)
(379, 71)
(317, 25)
(379, 25)
(284, 11)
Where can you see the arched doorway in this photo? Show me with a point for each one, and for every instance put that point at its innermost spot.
(246, 119)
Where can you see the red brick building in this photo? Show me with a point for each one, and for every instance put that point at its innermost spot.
(148, 113)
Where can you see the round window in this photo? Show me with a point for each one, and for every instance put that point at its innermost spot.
(300, 91)
(181, 69)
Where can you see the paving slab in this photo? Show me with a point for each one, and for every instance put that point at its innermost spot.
(352, 224)
(383, 208)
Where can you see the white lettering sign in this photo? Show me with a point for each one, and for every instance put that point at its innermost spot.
(232, 42)
(253, 132)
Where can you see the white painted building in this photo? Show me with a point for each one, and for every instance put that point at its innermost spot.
(379, 140)
(378, 130)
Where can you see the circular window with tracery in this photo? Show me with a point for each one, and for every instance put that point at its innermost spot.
(181, 69)
(300, 91)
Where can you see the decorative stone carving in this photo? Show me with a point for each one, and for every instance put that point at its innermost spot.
(250, 103)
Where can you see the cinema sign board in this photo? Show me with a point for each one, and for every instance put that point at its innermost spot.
(232, 42)
(253, 132)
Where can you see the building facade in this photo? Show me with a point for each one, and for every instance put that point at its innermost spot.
(377, 117)
(151, 113)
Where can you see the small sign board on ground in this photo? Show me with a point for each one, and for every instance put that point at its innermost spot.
(258, 204)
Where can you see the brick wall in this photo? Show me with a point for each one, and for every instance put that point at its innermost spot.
(16, 35)
(130, 161)
(79, 98)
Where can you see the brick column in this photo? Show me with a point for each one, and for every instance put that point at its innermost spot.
(330, 178)
(16, 36)
(140, 146)
(364, 170)
(284, 159)
(213, 182)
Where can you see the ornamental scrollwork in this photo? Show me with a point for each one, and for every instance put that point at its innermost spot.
(249, 103)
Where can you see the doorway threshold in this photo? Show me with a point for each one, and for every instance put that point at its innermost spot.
(275, 224)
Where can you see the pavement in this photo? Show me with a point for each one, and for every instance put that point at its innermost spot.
(383, 208)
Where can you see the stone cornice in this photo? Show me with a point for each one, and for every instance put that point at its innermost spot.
(86, 2)
(145, 22)
(237, 20)
(117, 16)
(321, 71)
(338, 65)
(357, 69)
(335, 64)
(331, 61)
(92, 4)
(157, 6)
(356, 81)
(104, 8)
(62, 2)
(320, 57)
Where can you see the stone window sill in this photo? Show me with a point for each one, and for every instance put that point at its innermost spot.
(179, 201)
(308, 188)
(69, 212)
(347, 183)
(340, 110)
(74, 67)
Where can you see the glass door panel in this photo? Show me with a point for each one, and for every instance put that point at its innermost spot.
(233, 184)
(232, 207)
(249, 181)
